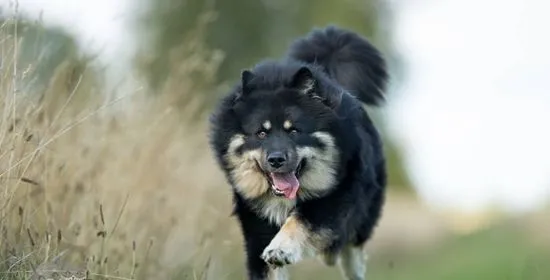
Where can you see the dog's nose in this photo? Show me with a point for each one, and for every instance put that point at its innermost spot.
(276, 159)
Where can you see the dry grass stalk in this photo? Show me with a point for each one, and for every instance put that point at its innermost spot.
(124, 193)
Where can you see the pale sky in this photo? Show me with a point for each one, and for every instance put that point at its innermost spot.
(473, 112)
(99, 26)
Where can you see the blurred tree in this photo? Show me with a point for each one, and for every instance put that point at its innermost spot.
(248, 30)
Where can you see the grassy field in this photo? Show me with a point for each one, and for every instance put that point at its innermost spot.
(126, 188)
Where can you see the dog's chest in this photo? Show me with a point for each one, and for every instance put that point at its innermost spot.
(276, 209)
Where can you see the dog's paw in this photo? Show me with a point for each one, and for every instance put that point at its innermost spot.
(282, 252)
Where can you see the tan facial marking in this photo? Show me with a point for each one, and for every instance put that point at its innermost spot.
(320, 173)
(287, 124)
(267, 125)
(248, 179)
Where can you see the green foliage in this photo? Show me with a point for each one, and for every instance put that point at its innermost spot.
(250, 30)
(502, 253)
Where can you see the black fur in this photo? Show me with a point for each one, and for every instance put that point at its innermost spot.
(346, 57)
(319, 85)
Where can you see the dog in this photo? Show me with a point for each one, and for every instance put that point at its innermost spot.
(304, 160)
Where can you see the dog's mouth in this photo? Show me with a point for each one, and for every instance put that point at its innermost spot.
(285, 183)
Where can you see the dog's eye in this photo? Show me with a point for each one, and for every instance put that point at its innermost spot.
(261, 134)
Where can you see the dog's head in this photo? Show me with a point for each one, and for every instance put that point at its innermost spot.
(277, 134)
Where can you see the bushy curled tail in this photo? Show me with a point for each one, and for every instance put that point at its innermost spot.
(346, 57)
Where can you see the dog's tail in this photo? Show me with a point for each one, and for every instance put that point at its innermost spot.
(346, 57)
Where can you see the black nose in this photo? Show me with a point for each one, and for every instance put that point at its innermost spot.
(276, 159)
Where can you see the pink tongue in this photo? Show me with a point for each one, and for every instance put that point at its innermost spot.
(287, 183)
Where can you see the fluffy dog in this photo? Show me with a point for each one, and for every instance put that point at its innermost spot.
(304, 159)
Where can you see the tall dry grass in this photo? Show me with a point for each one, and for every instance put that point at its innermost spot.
(124, 188)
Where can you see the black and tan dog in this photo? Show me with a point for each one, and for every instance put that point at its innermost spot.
(302, 156)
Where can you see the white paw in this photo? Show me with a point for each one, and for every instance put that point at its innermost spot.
(282, 251)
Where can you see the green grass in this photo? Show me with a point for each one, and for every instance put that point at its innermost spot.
(501, 253)
(496, 254)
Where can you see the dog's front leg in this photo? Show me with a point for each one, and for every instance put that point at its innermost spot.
(293, 242)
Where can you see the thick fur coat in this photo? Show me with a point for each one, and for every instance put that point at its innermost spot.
(302, 156)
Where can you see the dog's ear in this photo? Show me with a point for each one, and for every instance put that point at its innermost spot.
(246, 78)
(304, 81)
(245, 87)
